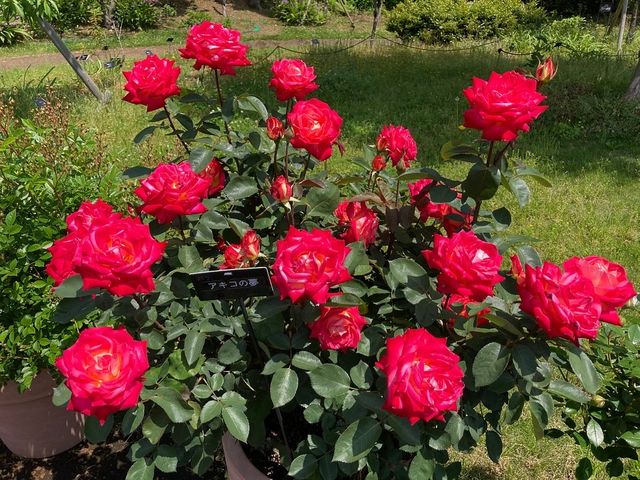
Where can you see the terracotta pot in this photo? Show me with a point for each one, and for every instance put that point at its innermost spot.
(239, 467)
(31, 426)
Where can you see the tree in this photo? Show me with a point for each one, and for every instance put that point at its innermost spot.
(633, 92)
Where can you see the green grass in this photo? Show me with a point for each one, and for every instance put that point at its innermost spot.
(587, 143)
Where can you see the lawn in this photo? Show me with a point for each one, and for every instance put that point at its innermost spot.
(587, 143)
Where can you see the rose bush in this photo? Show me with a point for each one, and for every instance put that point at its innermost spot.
(388, 340)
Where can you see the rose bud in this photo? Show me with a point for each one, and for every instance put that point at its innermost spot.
(281, 189)
(251, 245)
(546, 71)
(232, 257)
(275, 128)
(378, 163)
(338, 328)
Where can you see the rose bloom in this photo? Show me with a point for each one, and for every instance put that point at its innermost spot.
(362, 221)
(465, 303)
(104, 370)
(611, 285)
(233, 257)
(546, 71)
(214, 46)
(63, 250)
(308, 264)
(450, 218)
(89, 214)
(292, 79)
(399, 144)
(503, 105)
(250, 245)
(172, 190)
(564, 304)
(117, 256)
(338, 328)
(468, 266)
(378, 163)
(151, 81)
(281, 189)
(275, 128)
(214, 174)
(424, 379)
(316, 127)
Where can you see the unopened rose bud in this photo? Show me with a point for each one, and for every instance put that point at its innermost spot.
(251, 245)
(281, 189)
(597, 401)
(381, 143)
(546, 71)
(378, 163)
(232, 256)
(275, 128)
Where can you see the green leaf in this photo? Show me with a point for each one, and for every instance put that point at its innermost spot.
(95, 432)
(154, 426)
(236, 422)
(330, 381)
(199, 158)
(303, 466)
(407, 433)
(69, 309)
(173, 405)
(568, 391)
(144, 134)
(494, 446)
(61, 395)
(457, 151)
(524, 360)
(189, 258)
(584, 470)
(72, 288)
(132, 419)
(482, 182)
(141, 469)
(514, 408)
(166, 458)
(632, 438)
(136, 172)
(210, 410)
(322, 201)
(284, 385)
(193, 345)
(421, 468)
(595, 433)
(250, 103)
(520, 190)
(305, 361)
(583, 368)
(357, 440)
(403, 268)
(490, 362)
(240, 187)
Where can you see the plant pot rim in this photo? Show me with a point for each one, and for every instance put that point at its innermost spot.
(239, 467)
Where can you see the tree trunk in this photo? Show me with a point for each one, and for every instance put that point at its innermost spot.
(377, 15)
(107, 7)
(634, 22)
(71, 60)
(633, 92)
(623, 21)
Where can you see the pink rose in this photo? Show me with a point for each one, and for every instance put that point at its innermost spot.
(362, 222)
(468, 266)
(424, 379)
(398, 143)
(503, 105)
(281, 189)
(316, 127)
(104, 370)
(292, 79)
(217, 47)
(151, 81)
(308, 264)
(338, 328)
(172, 190)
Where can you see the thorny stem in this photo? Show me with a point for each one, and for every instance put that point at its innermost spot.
(286, 148)
(476, 212)
(275, 160)
(306, 167)
(175, 130)
(226, 125)
(181, 228)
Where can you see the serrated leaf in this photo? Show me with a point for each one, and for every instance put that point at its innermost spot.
(303, 466)
(595, 433)
(95, 432)
(568, 391)
(199, 158)
(144, 134)
(330, 381)
(61, 395)
(141, 469)
(583, 368)
(306, 361)
(284, 385)
(421, 468)
(490, 362)
(494, 446)
(632, 438)
(253, 104)
(173, 405)
(193, 345)
(132, 419)
(166, 458)
(236, 422)
(322, 202)
(357, 440)
(210, 410)
(240, 187)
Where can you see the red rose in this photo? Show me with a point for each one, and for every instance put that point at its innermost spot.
(424, 379)
(338, 328)
(243, 254)
(172, 190)
(468, 266)
(215, 46)
(308, 264)
(89, 214)
(233, 257)
(117, 256)
(399, 144)
(251, 245)
(378, 163)
(362, 221)
(281, 189)
(214, 174)
(60, 267)
(275, 128)
(104, 370)
(564, 304)
(315, 127)
(292, 79)
(151, 81)
(450, 218)
(503, 105)
(546, 71)
(611, 286)
(454, 300)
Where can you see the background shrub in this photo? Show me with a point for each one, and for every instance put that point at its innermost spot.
(11, 34)
(76, 13)
(136, 14)
(300, 12)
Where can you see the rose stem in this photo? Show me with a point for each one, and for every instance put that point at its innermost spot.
(286, 148)
(175, 130)
(275, 160)
(181, 225)
(226, 125)
(476, 212)
(306, 166)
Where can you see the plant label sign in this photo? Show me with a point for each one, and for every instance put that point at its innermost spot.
(232, 283)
